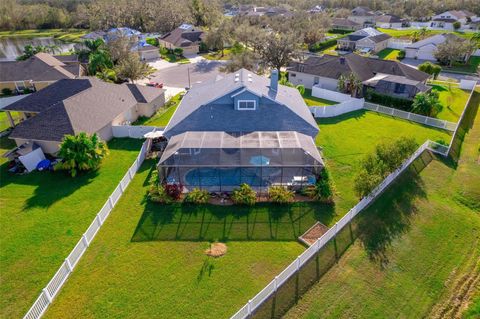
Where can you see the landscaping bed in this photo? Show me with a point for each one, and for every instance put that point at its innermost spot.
(43, 216)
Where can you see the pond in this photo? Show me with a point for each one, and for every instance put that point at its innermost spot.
(11, 48)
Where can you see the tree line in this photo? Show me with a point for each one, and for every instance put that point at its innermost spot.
(164, 15)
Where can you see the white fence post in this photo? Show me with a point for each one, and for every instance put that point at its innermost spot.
(69, 265)
(110, 201)
(47, 294)
(85, 240)
(99, 220)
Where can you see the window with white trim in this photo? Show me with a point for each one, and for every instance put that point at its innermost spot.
(245, 105)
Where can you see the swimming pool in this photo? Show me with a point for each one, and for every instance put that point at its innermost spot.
(230, 176)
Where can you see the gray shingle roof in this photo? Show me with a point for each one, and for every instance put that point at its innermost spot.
(71, 106)
(41, 67)
(207, 93)
(365, 68)
(344, 22)
(182, 38)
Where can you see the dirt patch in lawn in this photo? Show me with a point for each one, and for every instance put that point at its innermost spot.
(216, 250)
(314, 233)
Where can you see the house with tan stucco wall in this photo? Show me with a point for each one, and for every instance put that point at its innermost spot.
(71, 106)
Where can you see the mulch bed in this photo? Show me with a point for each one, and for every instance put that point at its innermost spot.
(314, 233)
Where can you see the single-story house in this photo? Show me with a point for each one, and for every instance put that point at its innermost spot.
(242, 128)
(368, 39)
(324, 71)
(345, 24)
(389, 21)
(71, 106)
(445, 20)
(144, 50)
(363, 15)
(425, 49)
(38, 71)
(186, 37)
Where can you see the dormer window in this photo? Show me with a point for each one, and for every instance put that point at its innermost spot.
(247, 105)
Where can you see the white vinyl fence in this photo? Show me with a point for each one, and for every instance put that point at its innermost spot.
(53, 287)
(319, 92)
(337, 109)
(399, 44)
(133, 131)
(247, 310)
(430, 121)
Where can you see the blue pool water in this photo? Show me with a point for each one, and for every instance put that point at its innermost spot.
(228, 176)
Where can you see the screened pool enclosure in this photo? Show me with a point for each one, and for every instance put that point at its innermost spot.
(221, 161)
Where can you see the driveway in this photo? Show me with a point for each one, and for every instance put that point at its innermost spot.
(178, 75)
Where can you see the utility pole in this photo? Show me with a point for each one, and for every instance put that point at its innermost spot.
(188, 72)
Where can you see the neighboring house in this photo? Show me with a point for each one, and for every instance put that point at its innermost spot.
(368, 40)
(38, 71)
(446, 19)
(71, 106)
(144, 50)
(389, 21)
(363, 15)
(243, 128)
(345, 25)
(324, 71)
(186, 37)
(268, 11)
(425, 49)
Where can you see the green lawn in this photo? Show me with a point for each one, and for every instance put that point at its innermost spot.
(43, 215)
(346, 139)
(315, 101)
(172, 58)
(149, 254)
(470, 67)
(162, 117)
(217, 55)
(389, 54)
(66, 35)
(406, 34)
(425, 232)
(453, 100)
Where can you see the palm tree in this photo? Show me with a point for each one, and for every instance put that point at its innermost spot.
(354, 84)
(99, 61)
(414, 36)
(422, 33)
(342, 83)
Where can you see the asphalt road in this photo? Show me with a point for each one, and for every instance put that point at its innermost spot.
(178, 75)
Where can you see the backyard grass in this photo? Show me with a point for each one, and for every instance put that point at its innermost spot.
(66, 35)
(420, 255)
(149, 254)
(315, 101)
(346, 139)
(389, 54)
(43, 215)
(453, 100)
(331, 50)
(162, 117)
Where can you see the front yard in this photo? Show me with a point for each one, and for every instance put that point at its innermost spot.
(471, 66)
(43, 215)
(315, 101)
(149, 254)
